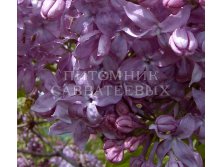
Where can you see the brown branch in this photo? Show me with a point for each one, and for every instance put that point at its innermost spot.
(37, 154)
(59, 152)
(22, 125)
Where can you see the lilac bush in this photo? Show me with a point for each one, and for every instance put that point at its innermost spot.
(129, 71)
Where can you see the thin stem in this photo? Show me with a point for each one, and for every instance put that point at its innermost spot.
(58, 153)
(22, 125)
(36, 153)
(146, 147)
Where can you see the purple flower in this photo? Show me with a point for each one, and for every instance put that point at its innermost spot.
(141, 16)
(166, 123)
(137, 161)
(126, 124)
(202, 3)
(173, 4)
(51, 9)
(122, 108)
(114, 150)
(79, 130)
(183, 42)
(173, 162)
(132, 143)
(153, 55)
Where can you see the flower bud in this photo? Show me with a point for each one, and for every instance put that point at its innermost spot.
(183, 42)
(34, 145)
(166, 123)
(202, 3)
(114, 151)
(132, 143)
(52, 9)
(173, 4)
(126, 124)
(122, 108)
(137, 161)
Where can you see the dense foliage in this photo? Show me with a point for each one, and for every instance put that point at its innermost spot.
(128, 73)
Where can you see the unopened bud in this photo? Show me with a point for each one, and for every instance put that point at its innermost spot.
(137, 161)
(122, 108)
(52, 9)
(166, 123)
(126, 124)
(183, 42)
(114, 151)
(202, 3)
(132, 143)
(173, 4)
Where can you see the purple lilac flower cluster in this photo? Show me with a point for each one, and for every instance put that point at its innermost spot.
(72, 152)
(67, 48)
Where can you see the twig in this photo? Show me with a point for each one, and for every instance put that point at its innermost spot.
(58, 153)
(22, 125)
(37, 154)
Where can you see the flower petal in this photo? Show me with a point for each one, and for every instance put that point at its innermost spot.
(199, 98)
(107, 95)
(173, 22)
(141, 16)
(184, 153)
(44, 103)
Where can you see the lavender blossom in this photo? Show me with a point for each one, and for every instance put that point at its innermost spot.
(183, 42)
(130, 72)
(173, 3)
(52, 9)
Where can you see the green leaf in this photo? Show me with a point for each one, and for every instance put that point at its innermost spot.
(201, 149)
(21, 93)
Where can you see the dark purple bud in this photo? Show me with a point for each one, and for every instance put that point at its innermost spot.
(122, 108)
(183, 42)
(166, 123)
(52, 9)
(202, 3)
(114, 151)
(34, 145)
(132, 143)
(109, 120)
(137, 161)
(126, 124)
(173, 4)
